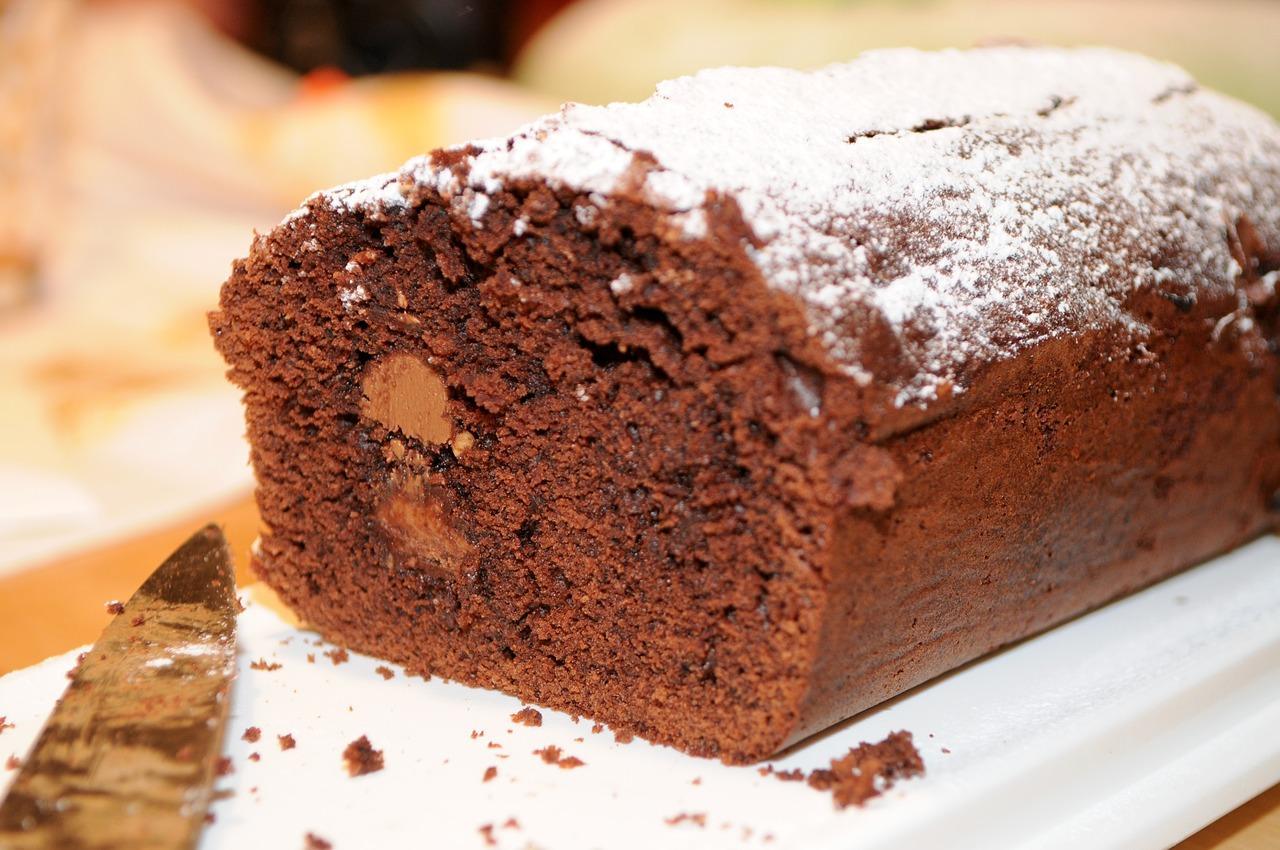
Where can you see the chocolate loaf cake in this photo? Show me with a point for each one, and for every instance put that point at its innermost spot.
(723, 416)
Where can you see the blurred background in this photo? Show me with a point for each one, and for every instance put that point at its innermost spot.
(142, 142)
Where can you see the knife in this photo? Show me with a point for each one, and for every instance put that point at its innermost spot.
(128, 757)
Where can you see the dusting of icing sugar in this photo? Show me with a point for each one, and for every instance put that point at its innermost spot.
(478, 206)
(808, 397)
(352, 296)
(693, 224)
(977, 202)
(296, 214)
(621, 284)
(379, 193)
(1269, 282)
(520, 226)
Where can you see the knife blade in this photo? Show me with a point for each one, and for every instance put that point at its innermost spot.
(128, 757)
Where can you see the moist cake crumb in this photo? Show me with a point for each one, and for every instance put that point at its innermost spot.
(4, 724)
(868, 770)
(311, 658)
(384, 671)
(71, 674)
(528, 715)
(12, 763)
(361, 757)
(252, 734)
(551, 754)
(286, 741)
(696, 818)
(511, 823)
(115, 607)
(223, 767)
(337, 656)
(489, 773)
(315, 842)
(779, 383)
(487, 832)
(263, 664)
(254, 757)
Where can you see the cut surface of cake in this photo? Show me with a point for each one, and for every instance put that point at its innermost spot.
(726, 415)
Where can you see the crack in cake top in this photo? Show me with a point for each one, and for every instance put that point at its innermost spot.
(970, 203)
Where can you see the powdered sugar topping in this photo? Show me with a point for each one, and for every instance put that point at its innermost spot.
(972, 203)
(352, 296)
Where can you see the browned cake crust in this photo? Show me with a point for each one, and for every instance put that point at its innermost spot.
(564, 444)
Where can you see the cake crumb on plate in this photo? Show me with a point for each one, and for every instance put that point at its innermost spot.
(868, 770)
(361, 757)
(528, 715)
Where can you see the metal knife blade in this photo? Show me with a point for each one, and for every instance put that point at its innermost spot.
(128, 757)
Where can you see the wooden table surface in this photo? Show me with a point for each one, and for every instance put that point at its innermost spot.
(50, 609)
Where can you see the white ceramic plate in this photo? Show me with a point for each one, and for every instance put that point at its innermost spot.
(1130, 728)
